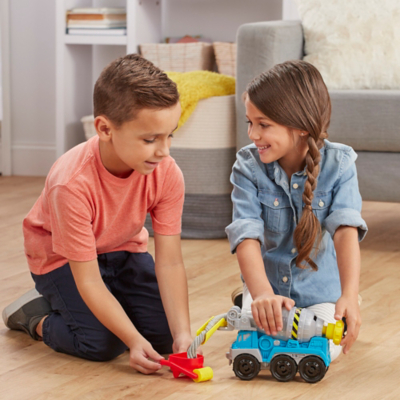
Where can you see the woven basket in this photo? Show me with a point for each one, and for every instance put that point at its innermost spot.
(88, 126)
(180, 57)
(225, 55)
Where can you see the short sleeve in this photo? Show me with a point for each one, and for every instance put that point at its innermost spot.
(346, 204)
(246, 219)
(71, 225)
(166, 215)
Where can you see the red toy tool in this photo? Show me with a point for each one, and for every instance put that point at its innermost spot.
(191, 367)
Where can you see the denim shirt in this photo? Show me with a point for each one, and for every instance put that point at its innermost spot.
(267, 207)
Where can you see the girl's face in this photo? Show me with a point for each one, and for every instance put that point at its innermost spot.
(275, 142)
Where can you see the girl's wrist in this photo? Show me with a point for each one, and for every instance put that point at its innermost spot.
(350, 294)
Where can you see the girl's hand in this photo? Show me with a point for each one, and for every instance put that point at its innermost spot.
(267, 312)
(182, 343)
(347, 306)
(140, 352)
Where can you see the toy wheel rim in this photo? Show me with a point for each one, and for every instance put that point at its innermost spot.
(312, 369)
(246, 366)
(283, 368)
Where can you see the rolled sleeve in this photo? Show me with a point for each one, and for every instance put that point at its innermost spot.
(246, 222)
(242, 229)
(346, 204)
(348, 217)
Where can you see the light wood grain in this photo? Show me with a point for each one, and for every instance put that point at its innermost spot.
(30, 370)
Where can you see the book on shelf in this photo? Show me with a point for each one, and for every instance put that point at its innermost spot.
(97, 32)
(100, 10)
(96, 18)
(97, 24)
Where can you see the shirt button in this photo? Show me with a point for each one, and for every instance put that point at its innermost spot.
(294, 250)
(276, 203)
(285, 279)
(295, 186)
(321, 203)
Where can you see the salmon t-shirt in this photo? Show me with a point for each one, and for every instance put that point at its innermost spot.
(84, 210)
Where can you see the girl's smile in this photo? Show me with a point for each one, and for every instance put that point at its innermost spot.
(262, 149)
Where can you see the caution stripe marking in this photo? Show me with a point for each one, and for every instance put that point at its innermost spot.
(296, 321)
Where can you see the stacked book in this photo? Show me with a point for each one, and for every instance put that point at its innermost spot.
(96, 21)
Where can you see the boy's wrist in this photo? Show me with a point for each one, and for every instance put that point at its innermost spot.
(133, 338)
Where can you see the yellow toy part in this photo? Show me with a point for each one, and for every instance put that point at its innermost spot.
(334, 331)
(203, 374)
(201, 329)
(221, 323)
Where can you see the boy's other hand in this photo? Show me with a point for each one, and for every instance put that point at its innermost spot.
(182, 343)
(267, 312)
(140, 352)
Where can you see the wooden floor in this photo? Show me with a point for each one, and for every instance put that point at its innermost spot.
(30, 370)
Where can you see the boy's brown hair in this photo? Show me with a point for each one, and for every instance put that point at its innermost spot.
(293, 94)
(129, 84)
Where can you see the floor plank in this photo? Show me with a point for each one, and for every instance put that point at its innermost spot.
(30, 370)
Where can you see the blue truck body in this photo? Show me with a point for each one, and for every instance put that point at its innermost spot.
(306, 357)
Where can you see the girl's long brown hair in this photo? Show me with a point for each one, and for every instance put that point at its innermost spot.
(294, 94)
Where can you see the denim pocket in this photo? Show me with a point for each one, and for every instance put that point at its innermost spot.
(321, 204)
(276, 211)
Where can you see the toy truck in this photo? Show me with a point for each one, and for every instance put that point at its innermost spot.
(254, 350)
(302, 345)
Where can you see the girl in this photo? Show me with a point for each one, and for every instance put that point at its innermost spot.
(296, 217)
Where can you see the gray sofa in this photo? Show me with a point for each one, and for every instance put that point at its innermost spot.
(367, 120)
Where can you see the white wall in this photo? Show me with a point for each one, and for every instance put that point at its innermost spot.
(1, 86)
(289, 10)
(33, 55)
(32, 85)
(216, 19)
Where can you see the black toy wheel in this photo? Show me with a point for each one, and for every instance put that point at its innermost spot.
(246, 367)
(312, 369)
(283, 368)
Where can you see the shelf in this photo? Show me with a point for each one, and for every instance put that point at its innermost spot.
(95, 39)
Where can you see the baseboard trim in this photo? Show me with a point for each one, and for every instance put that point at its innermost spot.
(32, 159)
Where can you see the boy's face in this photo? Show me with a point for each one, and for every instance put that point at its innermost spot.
(140, 144)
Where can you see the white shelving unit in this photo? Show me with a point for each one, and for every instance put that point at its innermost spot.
(79, 60)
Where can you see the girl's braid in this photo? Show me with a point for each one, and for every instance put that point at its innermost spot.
(309, 227)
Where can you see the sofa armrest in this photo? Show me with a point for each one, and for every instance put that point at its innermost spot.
(260, 46)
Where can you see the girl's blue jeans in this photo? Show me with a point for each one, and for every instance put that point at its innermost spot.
(72, 328)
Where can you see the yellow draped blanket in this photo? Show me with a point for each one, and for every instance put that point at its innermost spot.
(196, 85)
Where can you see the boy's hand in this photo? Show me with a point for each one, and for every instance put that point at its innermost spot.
(140, 352)
(267, 312)
(182, 343)
(347, 306)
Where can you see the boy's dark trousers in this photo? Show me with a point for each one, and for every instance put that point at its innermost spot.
(73, 329)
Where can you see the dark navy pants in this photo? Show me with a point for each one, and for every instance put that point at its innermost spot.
(73, 329)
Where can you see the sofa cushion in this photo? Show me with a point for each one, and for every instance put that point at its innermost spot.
(354, 44)
(378, 176)
(367, 120)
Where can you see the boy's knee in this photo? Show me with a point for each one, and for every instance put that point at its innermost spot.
(104, 347)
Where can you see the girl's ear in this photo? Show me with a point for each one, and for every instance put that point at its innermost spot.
(302, 134)
(103, 128)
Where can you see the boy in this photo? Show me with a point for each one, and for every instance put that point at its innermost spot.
(84, 237)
